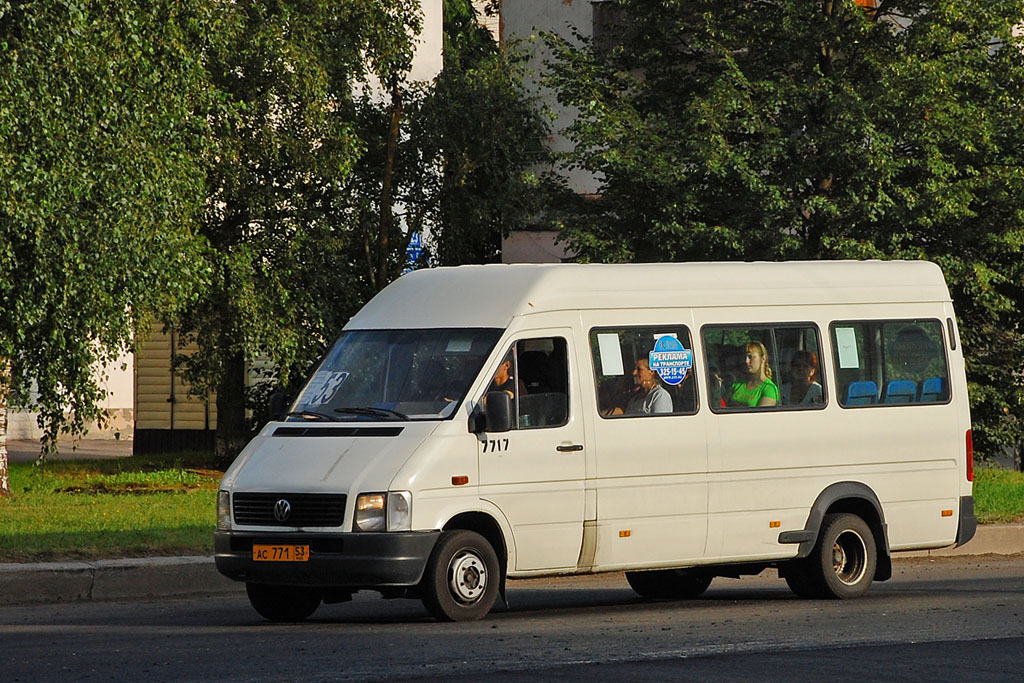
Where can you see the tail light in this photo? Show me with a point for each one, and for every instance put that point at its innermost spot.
(970, 456)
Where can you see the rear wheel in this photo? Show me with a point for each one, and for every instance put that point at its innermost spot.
(800, 581)
(842, 564)
(669, 583)
(462, 577)
(283, 603)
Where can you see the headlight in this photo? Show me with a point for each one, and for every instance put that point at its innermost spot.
(399, 511)
(370, 512)
(223, 510)
(384, 511)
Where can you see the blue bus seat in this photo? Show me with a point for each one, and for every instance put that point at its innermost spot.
(933, 390)
(900, 391)
(861, 393)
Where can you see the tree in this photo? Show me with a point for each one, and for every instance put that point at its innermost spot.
(450, 159)
(284, 76)
(99, 188)
(329, 165)
(782, 129)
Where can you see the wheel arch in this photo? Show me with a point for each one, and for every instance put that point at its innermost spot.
(858, 499)
(488, 527)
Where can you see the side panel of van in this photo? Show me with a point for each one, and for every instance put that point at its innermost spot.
(650, 470)
(768, 465)
(535, 473)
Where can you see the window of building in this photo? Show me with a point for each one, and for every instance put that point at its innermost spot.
(643, 371)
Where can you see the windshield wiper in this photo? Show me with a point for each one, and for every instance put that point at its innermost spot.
(312, 414)
(373, 412)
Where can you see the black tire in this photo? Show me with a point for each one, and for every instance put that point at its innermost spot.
(462, 577)
(283, 603)
(842, 564)
(669, 583)
(799, 580)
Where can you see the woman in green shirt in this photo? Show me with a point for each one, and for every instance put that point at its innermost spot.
(758, 389)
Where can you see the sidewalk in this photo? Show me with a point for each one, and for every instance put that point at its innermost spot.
(179, 577)
(19, 450)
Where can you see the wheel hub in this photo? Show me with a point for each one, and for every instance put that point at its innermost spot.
(849, 557)
(467, 577)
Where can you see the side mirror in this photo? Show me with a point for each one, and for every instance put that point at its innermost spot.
(498, 409)
(278, 404)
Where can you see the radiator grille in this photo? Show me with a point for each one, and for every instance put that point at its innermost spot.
(305, 509)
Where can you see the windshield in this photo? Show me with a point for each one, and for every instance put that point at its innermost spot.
(395, 375)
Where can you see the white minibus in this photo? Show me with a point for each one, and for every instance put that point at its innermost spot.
(678, 422)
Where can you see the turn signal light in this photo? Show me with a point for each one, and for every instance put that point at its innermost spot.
(774, 524)
(947, 513)
(459, 480)
(625, 533)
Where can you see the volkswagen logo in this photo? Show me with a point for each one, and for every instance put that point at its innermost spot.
(282, 510)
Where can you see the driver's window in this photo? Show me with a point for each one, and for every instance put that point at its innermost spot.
(535, 375)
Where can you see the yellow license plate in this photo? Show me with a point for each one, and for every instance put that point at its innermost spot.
(280, 553)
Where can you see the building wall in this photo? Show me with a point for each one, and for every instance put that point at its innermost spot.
(524, 20)
(533, 246)
(491, 22)
(167, 416)
(427, 62)
(117, 379)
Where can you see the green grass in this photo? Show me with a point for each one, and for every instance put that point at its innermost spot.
(125, 507)
(166, 505)
(998, 495)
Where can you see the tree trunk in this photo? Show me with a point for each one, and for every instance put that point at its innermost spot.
(5, 373)
(232, 433)
(381, 278)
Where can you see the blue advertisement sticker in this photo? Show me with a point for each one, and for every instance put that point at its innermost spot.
(670, 360)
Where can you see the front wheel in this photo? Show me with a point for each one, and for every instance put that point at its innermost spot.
(461, 578)
(669, 583)
(282, 603)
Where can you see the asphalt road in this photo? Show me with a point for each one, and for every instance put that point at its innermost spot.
(943, 619)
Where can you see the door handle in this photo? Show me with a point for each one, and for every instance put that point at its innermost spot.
(569, 448)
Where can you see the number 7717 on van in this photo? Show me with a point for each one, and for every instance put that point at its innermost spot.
(678, 422)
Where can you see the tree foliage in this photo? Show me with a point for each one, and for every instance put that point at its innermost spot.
(328, 159)
(783, 129)
(282, 77)
(247, 172)
(463, 149)
(99, 189)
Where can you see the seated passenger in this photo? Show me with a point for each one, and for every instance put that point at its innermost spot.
(758, 390)
(647, 396)
(504, 381)
(614, 393)
(650, 396)
(803, 387)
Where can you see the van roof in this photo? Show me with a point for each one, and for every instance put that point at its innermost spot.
(492, 295)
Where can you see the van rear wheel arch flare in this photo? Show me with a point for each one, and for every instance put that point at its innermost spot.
(852, 497)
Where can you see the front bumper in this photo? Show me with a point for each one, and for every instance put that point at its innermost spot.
(349, 560)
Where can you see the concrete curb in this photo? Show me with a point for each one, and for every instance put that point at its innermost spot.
(990, 539)
(179, 577)
(128, 579)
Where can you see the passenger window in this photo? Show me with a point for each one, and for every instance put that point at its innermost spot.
(642, 371)
(535, 374)
(763, 366)
(890, 362)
